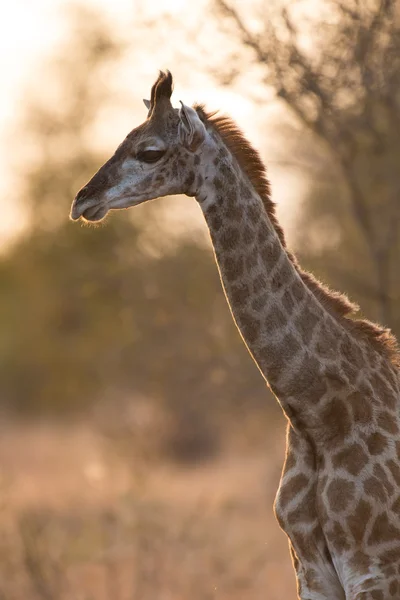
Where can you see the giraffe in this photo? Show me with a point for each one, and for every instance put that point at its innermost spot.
(336, 378)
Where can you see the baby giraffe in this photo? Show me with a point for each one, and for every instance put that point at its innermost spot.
(336, 378)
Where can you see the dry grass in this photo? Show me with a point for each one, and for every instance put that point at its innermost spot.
(80, 523)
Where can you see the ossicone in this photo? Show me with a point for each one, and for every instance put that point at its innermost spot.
(162, 88)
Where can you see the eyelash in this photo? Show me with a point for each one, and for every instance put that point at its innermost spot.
(150, 156)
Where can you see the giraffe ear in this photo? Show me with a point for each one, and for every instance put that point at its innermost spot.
(147, 103)
(191, 128)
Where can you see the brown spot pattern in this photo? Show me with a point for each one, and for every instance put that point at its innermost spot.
(307, 377)
(361, 407)
(336, 420)
(275, 319)
(249, 326)
(263, 232)
(239, 293)
(216, 222)
(349, 369)
(396, 506)
(389, 570)
(387, 422)
(252, 258)
(259, 302)
(298, 290)
(304, 512)
(248, 234)
(288, 302)
(351, 351)
(217, 183)
(395, 470)
(229, 238)
(384, 392)
(259, 284)
(391, 556)
(271, 253)
(360, 563)
(339, 493)
(353, 459)
(254, 212)
(376, 443)
(283, 276)
(189, 180)
(272, 363)
(377, 595)
(381, 474)
(233, 267)
(291, 344)
(291, 488)
(338, 537)
(236, 213)
(394, 588)
(306, 323)
(303, 545)
(383, 530)
(375, 488)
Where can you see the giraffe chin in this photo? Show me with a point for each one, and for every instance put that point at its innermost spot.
(95, 213)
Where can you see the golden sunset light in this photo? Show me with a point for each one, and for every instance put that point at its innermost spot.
(196, 198)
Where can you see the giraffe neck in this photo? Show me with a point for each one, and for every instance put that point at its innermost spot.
(291, 336)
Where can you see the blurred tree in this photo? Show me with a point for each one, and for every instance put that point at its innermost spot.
(60, 113)
(49, 329)
(338, 70)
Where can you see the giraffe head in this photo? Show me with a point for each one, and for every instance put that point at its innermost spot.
(155, 159)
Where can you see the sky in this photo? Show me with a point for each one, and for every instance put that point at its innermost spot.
(30, 29)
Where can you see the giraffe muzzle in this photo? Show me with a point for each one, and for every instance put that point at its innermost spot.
(90, 209)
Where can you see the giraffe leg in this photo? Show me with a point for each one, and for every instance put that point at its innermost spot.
(380, 588)
(313, 582)
(295, 509)
(372, 595)
(387, 589)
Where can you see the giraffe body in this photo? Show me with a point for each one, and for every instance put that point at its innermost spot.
(337, 380)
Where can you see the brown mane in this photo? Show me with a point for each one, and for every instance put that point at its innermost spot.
(335, 303)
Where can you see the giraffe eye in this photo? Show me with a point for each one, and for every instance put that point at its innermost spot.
(150, 156)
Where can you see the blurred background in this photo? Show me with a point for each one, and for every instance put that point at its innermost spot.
(140, 449)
